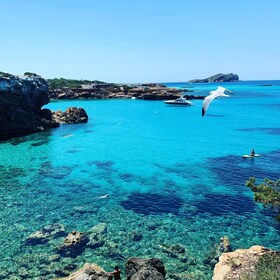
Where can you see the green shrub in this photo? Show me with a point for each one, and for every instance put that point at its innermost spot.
(268, 267)
(267, 193)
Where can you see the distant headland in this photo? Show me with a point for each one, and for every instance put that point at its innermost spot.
(218, 78)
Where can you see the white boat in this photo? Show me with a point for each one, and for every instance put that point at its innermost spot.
(181, 101)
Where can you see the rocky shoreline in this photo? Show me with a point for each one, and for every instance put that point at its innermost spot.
(22, 99)
(227, 264)
(113, 91)
(21, 102)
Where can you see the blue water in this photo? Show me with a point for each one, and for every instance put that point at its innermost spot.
(173, 178)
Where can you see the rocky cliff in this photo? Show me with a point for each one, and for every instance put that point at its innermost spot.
(218, 78)
(256, 262)
(21, 101)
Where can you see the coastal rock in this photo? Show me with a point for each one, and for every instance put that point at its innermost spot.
(43, 236)
(74, 243)
(218, 78)
(145, 269)
(223, 247)
(21, 100)
(240, 263)
(105, 91)
(88, 272)
(72, 115)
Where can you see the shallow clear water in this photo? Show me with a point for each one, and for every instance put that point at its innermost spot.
(173, 178)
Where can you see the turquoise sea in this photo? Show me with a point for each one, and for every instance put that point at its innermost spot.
(173, 179)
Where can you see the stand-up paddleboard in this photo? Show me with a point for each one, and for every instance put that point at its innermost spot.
(249, 156)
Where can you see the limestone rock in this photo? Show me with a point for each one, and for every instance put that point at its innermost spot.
(71, 116)
(88, 272)
(21, 100)
(240, 263)
(145, 269)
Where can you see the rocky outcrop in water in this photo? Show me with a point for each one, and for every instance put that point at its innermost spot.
(214, 254)
(71, 116)
(144, 269)
(242, 263)
(218, 78)
(136, 269)
(89, 272)
(43, 235)
(74, 243)
(21, 101)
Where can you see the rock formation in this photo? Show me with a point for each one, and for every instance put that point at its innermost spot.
(21, 101)
(43, 236)
(242, 263)
(74, 243)
(105, 91)
(71, 115)
(136, 269)
(144, 269)
(218, 78)
(89, 272)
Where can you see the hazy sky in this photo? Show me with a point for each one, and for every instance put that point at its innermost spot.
(141, 40)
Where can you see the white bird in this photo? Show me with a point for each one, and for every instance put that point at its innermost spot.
(213, 94)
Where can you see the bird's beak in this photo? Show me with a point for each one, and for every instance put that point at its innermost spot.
(229, 91)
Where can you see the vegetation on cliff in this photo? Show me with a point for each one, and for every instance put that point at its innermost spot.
(69, 83)
(268, 266)
(268, 193)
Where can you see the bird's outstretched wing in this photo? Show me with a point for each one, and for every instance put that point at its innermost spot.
(206, 102)
(212, 95)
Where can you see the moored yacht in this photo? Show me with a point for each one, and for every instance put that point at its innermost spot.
(181, 101)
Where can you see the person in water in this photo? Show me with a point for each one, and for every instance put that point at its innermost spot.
(252, 153)
(116, 273)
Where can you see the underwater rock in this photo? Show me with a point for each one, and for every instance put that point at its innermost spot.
(88, 272)
(43, 235)
(144, 269)
(72, 115)
(174, 251)
(99, 229)
(96, 238)
(241, 263)
(135, 236)
(74, 243)
(225, 244)
(223, 247)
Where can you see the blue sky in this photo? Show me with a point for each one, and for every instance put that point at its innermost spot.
(141, 41)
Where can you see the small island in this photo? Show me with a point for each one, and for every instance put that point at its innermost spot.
(218, 78)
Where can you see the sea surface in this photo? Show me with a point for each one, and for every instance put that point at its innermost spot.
(164, 181)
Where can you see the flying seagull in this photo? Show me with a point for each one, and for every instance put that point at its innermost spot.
(212, 95)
